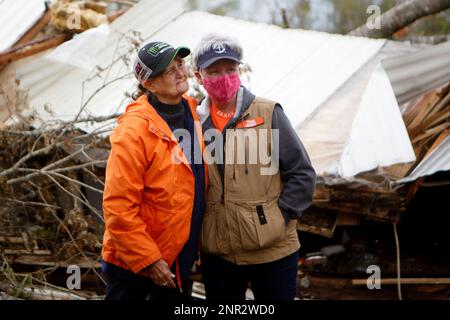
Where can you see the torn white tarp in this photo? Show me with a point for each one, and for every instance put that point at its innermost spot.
(378, 136)
(82, 51)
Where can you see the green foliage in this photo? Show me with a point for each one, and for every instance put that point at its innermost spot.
(348, 15)
(225, 7)
(433, 25)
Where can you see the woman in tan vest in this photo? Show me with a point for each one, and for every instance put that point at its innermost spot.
(260, 181)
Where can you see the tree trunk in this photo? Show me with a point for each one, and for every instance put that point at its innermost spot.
(400, 16)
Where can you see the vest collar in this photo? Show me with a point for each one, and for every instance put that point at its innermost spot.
(243, 102)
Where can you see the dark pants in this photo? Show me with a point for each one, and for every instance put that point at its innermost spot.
(269, 281)
(119, 288)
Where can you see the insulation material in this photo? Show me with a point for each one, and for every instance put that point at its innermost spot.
(78, 16)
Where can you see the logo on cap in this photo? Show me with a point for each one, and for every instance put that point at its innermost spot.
(219, 48)
(158, 48)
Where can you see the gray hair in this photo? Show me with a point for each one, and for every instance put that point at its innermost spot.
(212, 41)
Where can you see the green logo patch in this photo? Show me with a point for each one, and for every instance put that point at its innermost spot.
(158, 48)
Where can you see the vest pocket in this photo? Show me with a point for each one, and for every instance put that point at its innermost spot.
(214, 235)
(260, 225)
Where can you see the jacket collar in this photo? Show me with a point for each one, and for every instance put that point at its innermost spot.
(143, 109)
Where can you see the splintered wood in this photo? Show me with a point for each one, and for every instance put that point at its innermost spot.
(427, 120)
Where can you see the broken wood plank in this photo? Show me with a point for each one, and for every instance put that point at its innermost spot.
(422, 114)
(49, 261)
(431, 132)
(31, 48)
(394, 281)
(34, 30)
(341, 288)
(124, 2)
(437, 118)
(12, 240)
(116, 14)
(347, 219)
(50, 294)
(429, 98)
(24, 251)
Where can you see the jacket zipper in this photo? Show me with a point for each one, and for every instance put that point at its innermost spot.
(222, 172)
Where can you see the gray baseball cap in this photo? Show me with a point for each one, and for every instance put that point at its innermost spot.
(216, 53)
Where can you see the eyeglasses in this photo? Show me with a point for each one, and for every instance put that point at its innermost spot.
(173, 70)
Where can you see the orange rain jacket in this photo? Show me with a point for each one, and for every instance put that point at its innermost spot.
(149, 190)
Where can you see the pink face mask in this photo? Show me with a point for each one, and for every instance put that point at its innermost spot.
(222, 88)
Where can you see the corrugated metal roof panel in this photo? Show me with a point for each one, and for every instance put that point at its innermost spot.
(17, 17)
(437, 160)
(300, 69)
(413, 75)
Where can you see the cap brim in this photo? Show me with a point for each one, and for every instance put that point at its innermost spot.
(183, 52)
(209, 62)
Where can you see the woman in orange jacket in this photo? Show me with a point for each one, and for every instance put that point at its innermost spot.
(155, 183)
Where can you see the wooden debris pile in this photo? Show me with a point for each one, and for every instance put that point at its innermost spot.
(51, 184)
(78, 16)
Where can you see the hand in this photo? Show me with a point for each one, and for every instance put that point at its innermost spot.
(161, 274)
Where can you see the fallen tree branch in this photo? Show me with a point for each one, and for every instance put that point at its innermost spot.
(401, 16)
(87, 204)
(29, 203)
(49, 166)
(33, 47)
(53, 172)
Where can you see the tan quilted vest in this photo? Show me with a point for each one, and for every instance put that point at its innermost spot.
(247, 227)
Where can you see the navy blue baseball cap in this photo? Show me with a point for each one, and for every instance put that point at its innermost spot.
(153, 58)
(217, 52)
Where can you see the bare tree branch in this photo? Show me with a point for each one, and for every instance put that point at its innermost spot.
(29, 203)
(53, 172)
(401, 16)
(86, 203)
